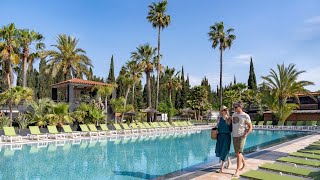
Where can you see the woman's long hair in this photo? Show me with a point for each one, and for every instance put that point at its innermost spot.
(226, 117)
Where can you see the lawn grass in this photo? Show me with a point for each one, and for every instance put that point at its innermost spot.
(305, 155)
(265, 176)
(299, 161)
(290, 170)
(310, 151)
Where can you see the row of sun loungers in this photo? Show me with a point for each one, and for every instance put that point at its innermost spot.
(309, 126)
(92, 131)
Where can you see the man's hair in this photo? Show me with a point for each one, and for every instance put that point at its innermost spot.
(239, 103)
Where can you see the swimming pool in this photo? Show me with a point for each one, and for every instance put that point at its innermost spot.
(137, 158)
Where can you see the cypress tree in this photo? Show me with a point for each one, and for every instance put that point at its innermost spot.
(252, 82)
(111, 79)
(33, 81)
(183, 97)
(121, 89)
(45, 80)
(90, 75)
(139, 104)
(19, 75)
(187, 86)
(234, 79)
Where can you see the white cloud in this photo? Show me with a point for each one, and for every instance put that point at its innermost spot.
(312, 74)
(309, 30)
(313, 20)
(243, 58)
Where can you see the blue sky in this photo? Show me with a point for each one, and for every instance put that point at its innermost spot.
(273, 32)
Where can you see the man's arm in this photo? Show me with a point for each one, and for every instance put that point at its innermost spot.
(249, 130)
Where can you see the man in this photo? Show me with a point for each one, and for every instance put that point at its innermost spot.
(240, 122)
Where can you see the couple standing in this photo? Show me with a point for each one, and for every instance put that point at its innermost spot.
(237, 125)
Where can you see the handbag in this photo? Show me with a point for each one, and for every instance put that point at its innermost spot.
(214, 133)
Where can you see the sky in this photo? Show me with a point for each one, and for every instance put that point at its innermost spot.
(271, 32)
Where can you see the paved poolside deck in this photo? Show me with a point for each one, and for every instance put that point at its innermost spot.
(254, 160)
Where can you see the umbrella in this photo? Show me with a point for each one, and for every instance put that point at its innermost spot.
(149, 110)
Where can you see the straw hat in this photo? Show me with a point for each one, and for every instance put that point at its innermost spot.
(223, 107)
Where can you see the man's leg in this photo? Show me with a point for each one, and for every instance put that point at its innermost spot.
(239, 160)
(243, 163)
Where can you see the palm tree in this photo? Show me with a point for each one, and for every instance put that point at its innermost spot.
(284, 83)
(60, 114)
(69, 59)
(224, 39)
(14, 96)
(144, 54)
(26, 39)
(159, 19)
(39, 110)
(8, 47)
(172, 80)
(134, 70)
(105, 91)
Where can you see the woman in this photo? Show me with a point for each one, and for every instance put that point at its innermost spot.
(224, 137)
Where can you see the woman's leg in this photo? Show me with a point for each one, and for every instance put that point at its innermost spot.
(221, 167)
(229, 163)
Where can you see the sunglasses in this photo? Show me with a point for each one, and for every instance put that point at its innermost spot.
(235, 107)
(224, 110)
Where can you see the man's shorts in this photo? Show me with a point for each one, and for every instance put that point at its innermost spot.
(238, 144)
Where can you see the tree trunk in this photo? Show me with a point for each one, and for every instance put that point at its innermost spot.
(25, 58)
(149, 94)
(220, 78)
(133, 89)
(10, 112)
(125, 103)
(106, 108)
(158, 74)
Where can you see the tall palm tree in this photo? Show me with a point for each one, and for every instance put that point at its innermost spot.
(14, 96)
(26, 39)
(144, 54)
(8, 54)
(284, 83)
(69, 59)
(159, 19)
(172, 80)
(224, 40)
(134, 70)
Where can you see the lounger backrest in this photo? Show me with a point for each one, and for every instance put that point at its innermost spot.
(167, 124)
(313, 123)
(162, 125)
(9, 131)
(146, 125)
(134, 126)
(52, 130)
(67, 128)
(34, 130)
(155, 124)
(141, 125)
(117, 126)
(104, 127)
(176, 124)
(84, 128)
(280, 123)
(92, 127)
(260, 122)
(125, 126)
(289, 123)
(189, 123)
(184, 123)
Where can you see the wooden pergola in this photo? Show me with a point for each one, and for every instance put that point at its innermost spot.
(72, 89)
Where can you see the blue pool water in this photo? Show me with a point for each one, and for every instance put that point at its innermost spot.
(139, 158)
